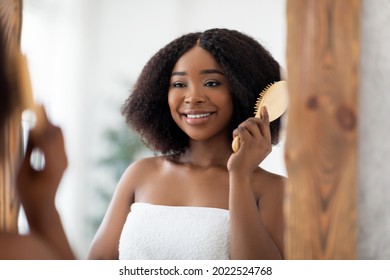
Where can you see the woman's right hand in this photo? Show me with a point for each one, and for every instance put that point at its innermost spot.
(37, 188)
(255, 138)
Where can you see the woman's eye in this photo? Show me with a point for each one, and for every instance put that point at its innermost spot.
(212, 84)
(178, 84)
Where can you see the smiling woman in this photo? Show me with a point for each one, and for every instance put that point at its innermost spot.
(199, 95)
(204, 89)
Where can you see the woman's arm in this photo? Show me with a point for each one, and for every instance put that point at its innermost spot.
(37, 190)
(25, 247)
(254, 233)
(256, 229)
(105, 244)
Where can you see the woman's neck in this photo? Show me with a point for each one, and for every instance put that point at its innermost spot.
(205, 154)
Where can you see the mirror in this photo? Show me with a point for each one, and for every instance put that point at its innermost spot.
(84, 56)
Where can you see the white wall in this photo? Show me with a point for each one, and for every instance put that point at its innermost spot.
(85, 55)
(374, 132)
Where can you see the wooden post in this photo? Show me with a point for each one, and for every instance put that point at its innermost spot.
(321, 142)
(11, 148)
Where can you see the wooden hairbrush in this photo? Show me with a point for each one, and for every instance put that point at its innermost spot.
(36, 116)
(25, 88)
(275, 98)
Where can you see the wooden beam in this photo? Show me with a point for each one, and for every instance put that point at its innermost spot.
(11, 20)
(11, 148)
(321, 141)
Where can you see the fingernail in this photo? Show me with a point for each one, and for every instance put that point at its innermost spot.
(265, 111)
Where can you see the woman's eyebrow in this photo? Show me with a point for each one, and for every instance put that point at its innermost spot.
(206, 71)
(211, 71)
(183, 73)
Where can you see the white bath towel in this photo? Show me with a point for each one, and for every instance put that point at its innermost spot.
(175, 232)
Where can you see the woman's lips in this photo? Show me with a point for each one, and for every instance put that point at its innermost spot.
(197, 119)
(197, 116)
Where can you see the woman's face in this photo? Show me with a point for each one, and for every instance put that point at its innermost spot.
(199, 96)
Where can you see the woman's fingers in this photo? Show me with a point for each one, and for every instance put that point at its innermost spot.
(255, 143)
(48, 139)
(264, 124)
(256, 127)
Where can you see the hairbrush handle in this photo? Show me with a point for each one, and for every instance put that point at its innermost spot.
(26, 93)
(37, 159)
(236, 144)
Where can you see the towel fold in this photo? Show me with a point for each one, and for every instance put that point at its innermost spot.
(175, 232)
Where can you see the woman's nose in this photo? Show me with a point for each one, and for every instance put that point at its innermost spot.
(195, 97)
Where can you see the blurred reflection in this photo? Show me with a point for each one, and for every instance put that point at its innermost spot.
(85, 55)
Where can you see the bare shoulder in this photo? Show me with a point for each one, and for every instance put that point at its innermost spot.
(136, 171)
(140, 173)
(148, 162)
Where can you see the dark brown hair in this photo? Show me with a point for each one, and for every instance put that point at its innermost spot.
(248, 66)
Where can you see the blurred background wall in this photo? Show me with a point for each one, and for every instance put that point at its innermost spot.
(374, 150)
(85, 55)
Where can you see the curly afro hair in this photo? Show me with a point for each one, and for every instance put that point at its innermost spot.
(248, 66)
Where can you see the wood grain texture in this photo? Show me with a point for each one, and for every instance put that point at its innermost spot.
(321, 139)
(11, 20)
(9, 202)
(11, 148)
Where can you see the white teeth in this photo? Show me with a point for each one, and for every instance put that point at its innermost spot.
(198, 116)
